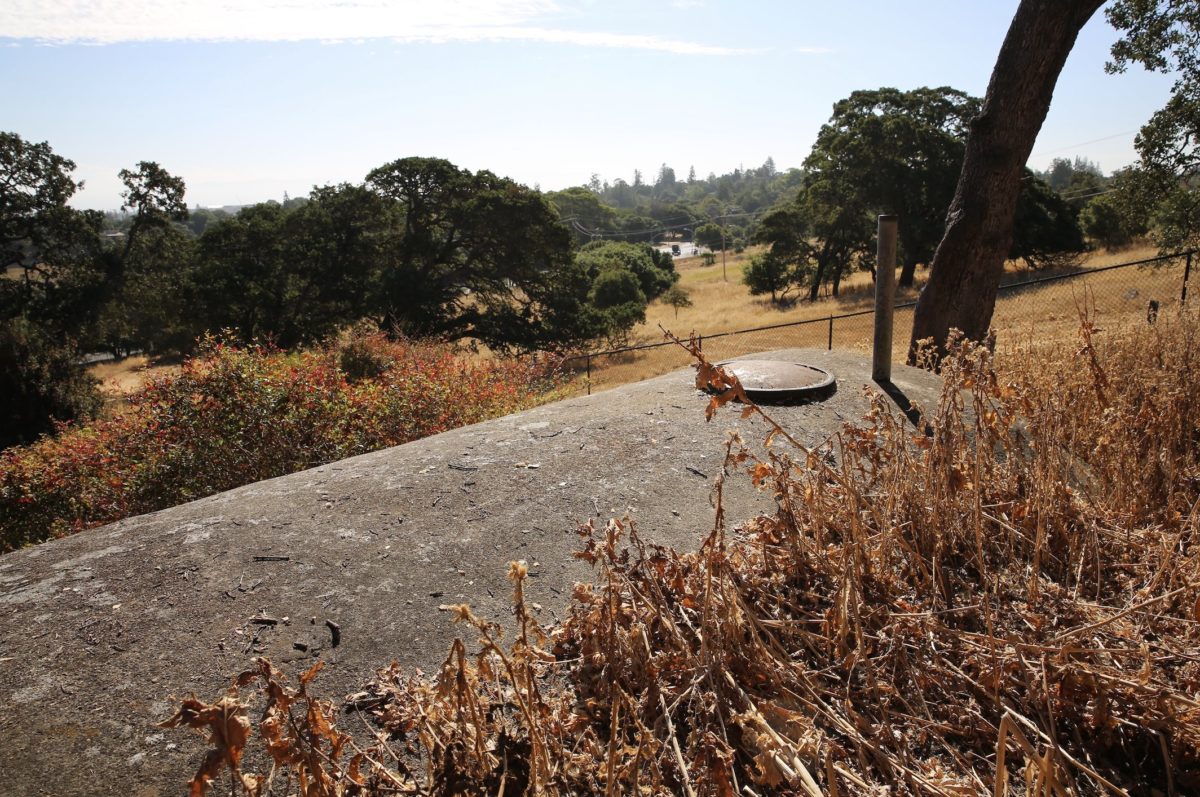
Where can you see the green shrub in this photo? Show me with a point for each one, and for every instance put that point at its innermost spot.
(233, 415)
(654, 271)
(616, 287)
(619, 299)
(769, 273)
(1105, 221)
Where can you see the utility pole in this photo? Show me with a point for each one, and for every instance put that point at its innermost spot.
(885, 297)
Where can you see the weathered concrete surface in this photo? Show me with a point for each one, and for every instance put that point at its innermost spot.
(99, 631)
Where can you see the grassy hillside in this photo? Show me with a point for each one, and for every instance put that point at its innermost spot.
(1026, 317)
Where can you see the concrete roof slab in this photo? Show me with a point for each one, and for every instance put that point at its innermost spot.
(102, 631)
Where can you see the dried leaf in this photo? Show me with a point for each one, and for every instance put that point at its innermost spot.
(766, 770)
(312, 671)
(228, 729)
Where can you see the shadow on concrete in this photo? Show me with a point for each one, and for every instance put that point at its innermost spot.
(898, 396)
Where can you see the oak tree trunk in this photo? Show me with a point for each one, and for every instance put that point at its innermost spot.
(822, 260)
(969, 261)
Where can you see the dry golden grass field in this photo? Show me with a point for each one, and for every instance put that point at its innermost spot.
(1029, 315)
(119, 378)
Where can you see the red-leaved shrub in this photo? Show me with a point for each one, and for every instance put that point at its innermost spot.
(234, 415)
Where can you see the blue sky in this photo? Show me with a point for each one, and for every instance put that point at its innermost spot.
(247, 100)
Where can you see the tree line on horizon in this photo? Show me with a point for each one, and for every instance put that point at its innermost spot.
(419, 249)
(882, 151)
(423, 248)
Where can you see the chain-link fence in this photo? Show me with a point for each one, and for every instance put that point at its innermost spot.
(1044, 308)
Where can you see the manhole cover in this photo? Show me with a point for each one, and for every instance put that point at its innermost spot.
(778, 380)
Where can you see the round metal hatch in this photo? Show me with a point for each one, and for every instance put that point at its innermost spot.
(772, 381)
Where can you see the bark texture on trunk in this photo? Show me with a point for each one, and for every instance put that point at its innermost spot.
(969, 261)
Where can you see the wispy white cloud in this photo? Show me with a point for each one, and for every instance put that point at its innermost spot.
(433, 21)
(627, 41)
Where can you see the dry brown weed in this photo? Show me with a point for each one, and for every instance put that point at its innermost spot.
(1008, 604)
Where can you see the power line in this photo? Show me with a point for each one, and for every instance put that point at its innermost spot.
(665, 228)
(1074, 193)
(1083, 143)
(1089, 196)
(599, 234)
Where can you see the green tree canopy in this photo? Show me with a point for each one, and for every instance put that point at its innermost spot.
(1162, 35)
(709, 235)
(154, 196)
(616, 287)
(618, 300)
(199, 219)
(50, 284)
(40, 383)
(422, 248)
(895, 152)
(1112, 220)
(892, 151)
(1077, 181)
(787, 262)
(818, 237)
(148, 271)
(294, 275)
(677, 297)
(475, 255)
(655, 271)
(1046, 232)
(244, 281)
(581, 210)
(48, 250)
(1167, 175)
(769, 273)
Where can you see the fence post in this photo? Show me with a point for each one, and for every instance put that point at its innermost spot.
(700, 342)
(1187, 271)
(831, 333)
(885, 298)
(589, 374)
